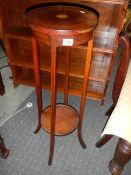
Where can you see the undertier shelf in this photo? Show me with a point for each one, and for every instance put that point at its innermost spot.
(66, 119)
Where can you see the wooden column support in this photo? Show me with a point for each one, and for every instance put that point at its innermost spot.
(35, 49)
(121, 156)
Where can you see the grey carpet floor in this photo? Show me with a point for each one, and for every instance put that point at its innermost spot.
(29, 151)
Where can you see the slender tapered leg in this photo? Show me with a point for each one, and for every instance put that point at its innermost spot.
(110, 110)
(2, 87)
(4, 152)
(66, 82)
(84, 91)
(36, 59)
(53, 97)
(103, 140)
(121, 156)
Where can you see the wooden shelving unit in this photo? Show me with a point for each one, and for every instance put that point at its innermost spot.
(17, 38)
(26, 76)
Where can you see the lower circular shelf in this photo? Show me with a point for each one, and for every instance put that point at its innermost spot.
(66, 119)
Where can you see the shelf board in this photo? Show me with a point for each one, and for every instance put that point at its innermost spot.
(104, 40)
(19, 33)
(75, 84)
(25, 60)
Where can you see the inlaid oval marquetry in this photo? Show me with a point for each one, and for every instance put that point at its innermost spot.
(62, 16)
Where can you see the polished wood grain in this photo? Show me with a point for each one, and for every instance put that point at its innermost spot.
(66, 119)
(66, 77)
(52, 25)
(104, 47)
(121, 156)
(0, 21)
(84, 89)
(35, 49)
(62, 16)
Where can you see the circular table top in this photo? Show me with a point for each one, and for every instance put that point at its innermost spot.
(62, 17)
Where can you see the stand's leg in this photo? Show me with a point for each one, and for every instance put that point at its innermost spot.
(84, 90)
(2, 87)
(36, 59)
(3, 151)
(103, 140)
(102, 102)
(53, 98)
(121, 156)
(66, 82)
(110, 110)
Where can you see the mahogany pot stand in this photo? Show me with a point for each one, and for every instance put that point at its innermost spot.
(68, 26)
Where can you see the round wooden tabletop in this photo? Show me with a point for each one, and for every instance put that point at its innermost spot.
(62, 17)
(72, 21)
